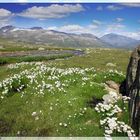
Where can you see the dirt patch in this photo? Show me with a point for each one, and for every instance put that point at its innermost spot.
(92, 122)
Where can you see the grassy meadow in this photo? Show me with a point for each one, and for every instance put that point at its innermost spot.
(51, 97)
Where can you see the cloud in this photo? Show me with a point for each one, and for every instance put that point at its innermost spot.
(4, 14)
(74, 28)
(52, 11)
(119, 19)
(67, 28)
(135, 35)
(114, 28)
(5, 17)
(111, 28)
(4, 23)
(114, 7)
(22, 1)
(119, 29)
(97, 22)
(131, 4)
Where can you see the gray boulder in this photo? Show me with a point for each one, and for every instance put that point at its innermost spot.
(133, 89)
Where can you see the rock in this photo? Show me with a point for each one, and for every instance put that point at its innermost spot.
(92, 122)
(1, 47)
(133, 89)
(111, 65)
(89, 122)
(41, 49)
(113, 85)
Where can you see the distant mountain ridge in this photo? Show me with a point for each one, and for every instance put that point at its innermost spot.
(38, 35)
(36, 28)
(120, 41)
(6, 28)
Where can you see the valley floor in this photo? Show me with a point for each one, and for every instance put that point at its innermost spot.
(51, 98)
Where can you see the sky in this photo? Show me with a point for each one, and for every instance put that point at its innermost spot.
(96, 18)
(70, 1)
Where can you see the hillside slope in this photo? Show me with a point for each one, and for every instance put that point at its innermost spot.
(38, 35)
(120, 41)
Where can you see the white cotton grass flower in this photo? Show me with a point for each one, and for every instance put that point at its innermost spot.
(18, 132)
(85, 108)
(60, 124)
(108, 132)
(39, 69)
(1, 97)
(36, 118)
(34, 114)
(125, 99)
(102, 122)
(51, 108)
(53, 83)
(109, 109)
(69, 102)
(113, 125)
(65, 125)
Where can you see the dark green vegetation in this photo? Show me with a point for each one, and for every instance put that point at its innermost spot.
(8, 60)
(49, 99)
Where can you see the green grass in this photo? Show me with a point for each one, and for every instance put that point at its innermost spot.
(16, 110)
(99, 58)
(48, 124)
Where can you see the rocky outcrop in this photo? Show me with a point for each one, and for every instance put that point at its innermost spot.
(133, 89)
(111, 85)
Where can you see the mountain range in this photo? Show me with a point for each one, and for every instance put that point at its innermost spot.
(38, 35)
(120, 41)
